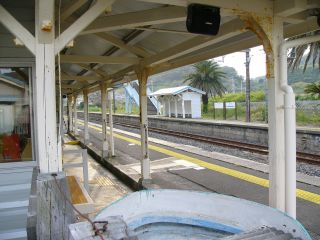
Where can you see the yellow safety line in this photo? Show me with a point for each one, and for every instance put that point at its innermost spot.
(309, 196)
(72, 142)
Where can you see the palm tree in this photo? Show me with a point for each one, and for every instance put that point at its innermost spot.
(207, 77)
(313, 89)
(296, 53)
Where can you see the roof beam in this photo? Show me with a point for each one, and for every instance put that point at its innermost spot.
(66, 77)
(98, 59)
(135, 19)
(289, 7)
(256, 6)
(227, 30)
(67, 86)
(70, 8)
(96, 71)
(289, 31)
(81, 23)
(17, 29)
(153, 29)
(120, 44)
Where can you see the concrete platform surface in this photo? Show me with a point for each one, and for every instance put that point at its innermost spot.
(105, 188)
(184, 167)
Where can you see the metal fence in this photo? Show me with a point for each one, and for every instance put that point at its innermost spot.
(308, 112)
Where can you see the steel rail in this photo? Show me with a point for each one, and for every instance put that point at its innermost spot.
(254, 148)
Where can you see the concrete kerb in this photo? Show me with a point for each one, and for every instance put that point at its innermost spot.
(107, 163)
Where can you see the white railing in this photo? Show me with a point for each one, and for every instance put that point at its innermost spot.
(132, 92)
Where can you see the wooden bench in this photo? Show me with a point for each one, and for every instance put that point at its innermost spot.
(79, 196)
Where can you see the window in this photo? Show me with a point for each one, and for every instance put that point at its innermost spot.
(15, 114)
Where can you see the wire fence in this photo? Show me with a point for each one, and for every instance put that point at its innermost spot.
(307, 112)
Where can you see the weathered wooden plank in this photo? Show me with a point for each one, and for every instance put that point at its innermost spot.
(54, 213)
(32, 209)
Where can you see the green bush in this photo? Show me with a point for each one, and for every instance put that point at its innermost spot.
(256, 96)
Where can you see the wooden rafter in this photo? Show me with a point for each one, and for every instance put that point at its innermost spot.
(98, 59)
(96, 71)
(120, 44)
(81, 23)
(17, 29)
(66, 77)
(135, 19)
(228, 30)
(70, 8)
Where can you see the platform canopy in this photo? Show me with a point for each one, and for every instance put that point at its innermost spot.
(145, 33)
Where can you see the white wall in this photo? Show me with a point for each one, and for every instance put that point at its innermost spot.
(195, 103)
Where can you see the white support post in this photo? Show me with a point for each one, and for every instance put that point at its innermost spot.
(164, 107)
(183, 110)
(159, 107)
(104, 120)
(49, 157)
(75, 116)
(111, 140)
(85, 169)
(70, 113)
(175, 107)
(276, 121)
(169, 104)
(86, 116)
(142, 75)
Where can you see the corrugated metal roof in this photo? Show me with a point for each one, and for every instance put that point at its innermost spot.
(154, 32)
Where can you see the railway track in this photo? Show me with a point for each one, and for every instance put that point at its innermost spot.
(302, 157)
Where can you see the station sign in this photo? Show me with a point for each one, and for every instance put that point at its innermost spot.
(229, 105)
(218, 105)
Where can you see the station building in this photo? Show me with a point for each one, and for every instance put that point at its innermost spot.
(182, 102)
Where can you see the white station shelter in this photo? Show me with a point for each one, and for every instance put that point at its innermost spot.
(182, 102)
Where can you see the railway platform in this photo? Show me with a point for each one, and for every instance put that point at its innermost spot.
(177, 166)
(103, 186)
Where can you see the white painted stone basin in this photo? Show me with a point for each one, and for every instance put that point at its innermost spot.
(177, 214)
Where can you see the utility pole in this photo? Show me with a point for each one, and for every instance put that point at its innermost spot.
(247, 63)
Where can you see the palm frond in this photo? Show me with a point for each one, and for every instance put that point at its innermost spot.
(313, 89)
(299, 51)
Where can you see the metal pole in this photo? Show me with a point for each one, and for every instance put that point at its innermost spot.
(248, 117)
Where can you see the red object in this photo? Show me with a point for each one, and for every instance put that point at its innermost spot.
(11, 147)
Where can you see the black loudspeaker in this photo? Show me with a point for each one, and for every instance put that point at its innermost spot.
(203, 19)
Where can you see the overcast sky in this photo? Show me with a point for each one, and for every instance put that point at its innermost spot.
(237, 60)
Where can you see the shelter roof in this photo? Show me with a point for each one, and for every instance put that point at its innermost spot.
(135, 34)
(176, 90)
